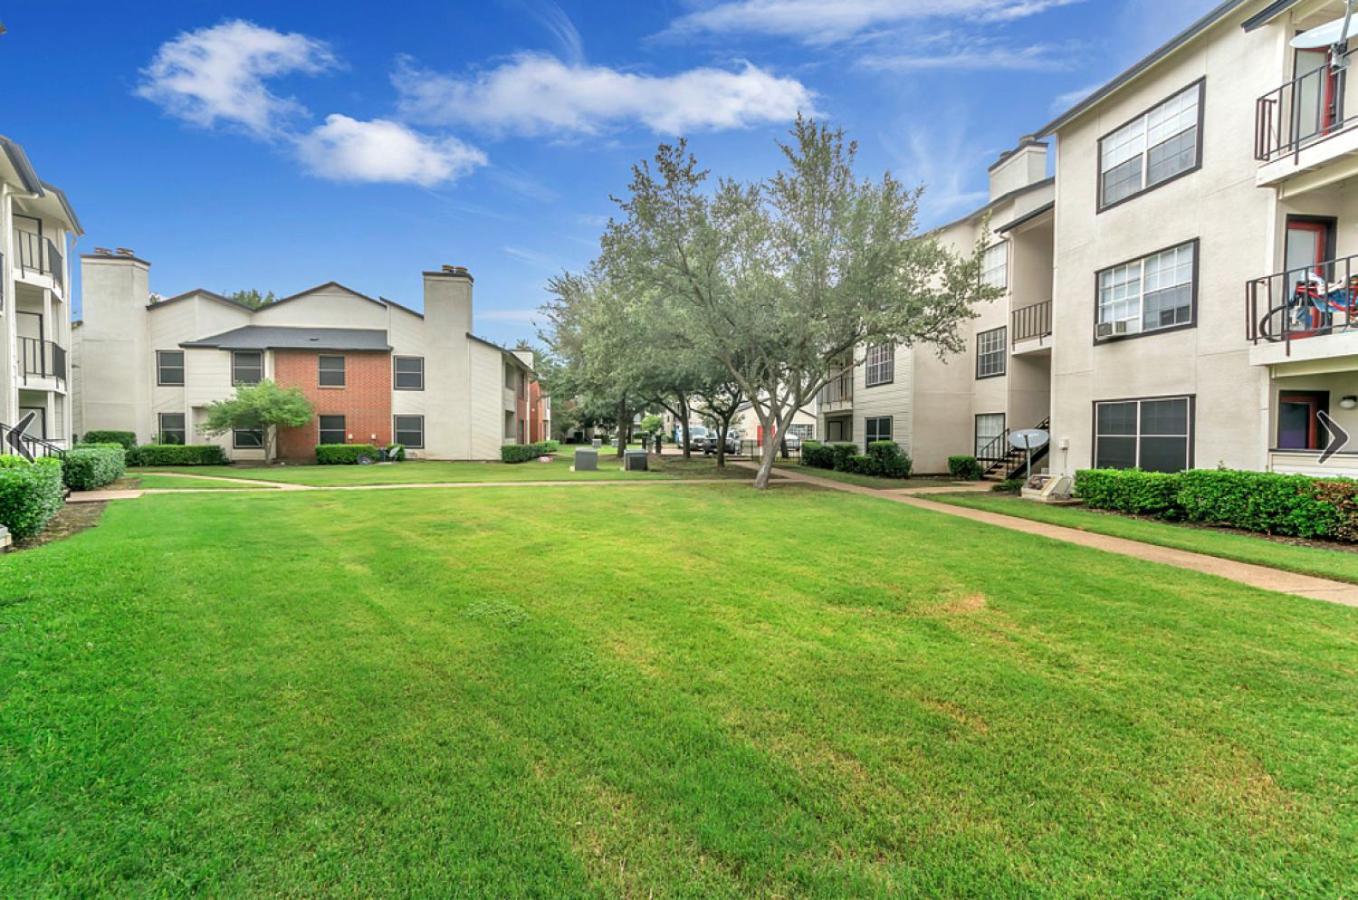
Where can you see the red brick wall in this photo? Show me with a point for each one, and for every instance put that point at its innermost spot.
(364, 401)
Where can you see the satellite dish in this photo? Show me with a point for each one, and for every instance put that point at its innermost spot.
(1328, 35)
(1029, 439)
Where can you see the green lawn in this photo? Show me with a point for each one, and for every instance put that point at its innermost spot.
(870, 481)
(1328, 563)
(431, 472)
(573, 693)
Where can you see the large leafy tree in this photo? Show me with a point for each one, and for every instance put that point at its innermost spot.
(263, 406)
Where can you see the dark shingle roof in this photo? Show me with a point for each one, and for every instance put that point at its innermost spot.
(270, 337)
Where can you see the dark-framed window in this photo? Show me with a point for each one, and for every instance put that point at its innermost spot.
(989, 437)
(1154, 434)
(171, 429)
(408, 431)
(991, 352)
(407, 373)
(877, 428)
(1161, 144)
(1157, 292)
(1299, 425)
(170, 368)
(331, 371)
(331, 430)
(247, 366)
(879, 365)
(247, 438)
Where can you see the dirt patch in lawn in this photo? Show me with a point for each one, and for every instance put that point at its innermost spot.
(72, 518)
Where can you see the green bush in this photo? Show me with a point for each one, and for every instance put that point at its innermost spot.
(816, 455)
(964, 468)
(1261, 501)
(30, 493)
(396, 452)
(890, 461)
(87, 466)
(1130, 491)
(177, 455)
(841, 456)
(125, 439)
(1010, 486)
(345, 454)
(522, 453)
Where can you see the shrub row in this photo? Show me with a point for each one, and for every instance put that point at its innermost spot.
(884, 459)
(90, 466)
(345, 454)
(1267, 502)
(177, 455)
(520, 453)
(30, 493)
(125, 439)
(964, 468)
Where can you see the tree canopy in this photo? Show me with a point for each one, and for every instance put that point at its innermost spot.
(263, 406)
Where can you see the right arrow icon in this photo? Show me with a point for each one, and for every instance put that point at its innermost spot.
(1339, 438)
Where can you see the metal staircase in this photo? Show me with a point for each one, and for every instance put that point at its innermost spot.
(1001, 460)
(13, 442)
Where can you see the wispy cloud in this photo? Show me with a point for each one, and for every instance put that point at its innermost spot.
(510, 315)
(987, 55)
(946, 161)
(536, 94)
(1063, 102)
(559, 25)
(532, 256)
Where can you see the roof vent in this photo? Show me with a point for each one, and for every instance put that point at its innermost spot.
(102, 251)
(125, 251)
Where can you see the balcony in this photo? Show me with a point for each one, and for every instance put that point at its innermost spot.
(1030, 328)
(35, 255)
(1306, 127)
(1304, 315)
(42, 364)
(837, 395)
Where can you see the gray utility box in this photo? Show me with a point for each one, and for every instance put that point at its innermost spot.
(586, 460)
(635, 461)
(4, 539)
(596, 443)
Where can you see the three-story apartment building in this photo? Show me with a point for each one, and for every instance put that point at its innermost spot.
(375, 371)
(36, 226)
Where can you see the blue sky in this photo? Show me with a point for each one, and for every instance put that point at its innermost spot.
(280, 145)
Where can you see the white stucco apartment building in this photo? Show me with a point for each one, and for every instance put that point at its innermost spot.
(375, 370)
(37, 226)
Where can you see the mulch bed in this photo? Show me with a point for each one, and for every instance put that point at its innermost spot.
(72, 518)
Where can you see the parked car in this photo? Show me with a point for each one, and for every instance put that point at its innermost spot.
(793, 440)
(709, 445)
(697, 434)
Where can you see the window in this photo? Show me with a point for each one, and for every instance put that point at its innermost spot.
(995, 265)
(170, 428)
(170, 367)
(331, 371)
(1151, 149)
(880, 367)
(409, 431)
(409, 373)
(878, 429)
(1299, 425)
(1153, 435)
(1148, 294)
(990, 352)
(805, 432)
(990, 443)
(332, 430)
(247, 367)
(247, 438)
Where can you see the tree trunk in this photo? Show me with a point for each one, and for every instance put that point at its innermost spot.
(684, 412)
(622, 429)
(771, 439)
(782, 446)
(721, 439)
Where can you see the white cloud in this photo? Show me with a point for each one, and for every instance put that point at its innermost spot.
(538, 94)
(1063, 102)
(217, 74)
(829, 21)
(1035, 58)
(559, 25)
(509, 315)
(345, 149)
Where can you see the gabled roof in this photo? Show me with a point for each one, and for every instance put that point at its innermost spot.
(320, 287)
(505, 350)
(401, 307)
(196, 292)
(271, 337)
(1027, 217)
(35, 185)
(1003, 198)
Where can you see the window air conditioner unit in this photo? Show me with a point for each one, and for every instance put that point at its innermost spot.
(1113, 329)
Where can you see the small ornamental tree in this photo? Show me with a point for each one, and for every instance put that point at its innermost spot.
(263, 406)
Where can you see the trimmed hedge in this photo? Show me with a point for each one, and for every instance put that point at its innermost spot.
(87, 466)
(177, 455)
(522, 453)
(884, 459)
(30, 493)
(1130, 491)
(125, 439)
(345, 454)
(964, 468)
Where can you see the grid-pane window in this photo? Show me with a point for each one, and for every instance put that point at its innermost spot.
(247, 438)
(805, 432)
(1149, 293)
(1151, 149)
(995, 266)
(247, 367)
(409, 373)
(331, 371)
(409, 431)
(990, 353)
(170, 367)
(877, 429)
(880, 365)
(1153, 435)
(990, 436)
(170, 428)
(331, 430)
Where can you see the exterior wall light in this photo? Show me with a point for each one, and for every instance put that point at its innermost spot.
(1349, 402)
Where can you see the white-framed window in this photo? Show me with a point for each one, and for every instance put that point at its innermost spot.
(1151, 149)
(247, 366)
(170, 428)
(1153, 434)
(331, 430)
(331, 371)
(989, 434)
(805, 432)
(876, 429)
(170, 367)
(1148, 294)
(408, 431)
(879, 367)
(991, 352)
(408, 373)
(995, 265)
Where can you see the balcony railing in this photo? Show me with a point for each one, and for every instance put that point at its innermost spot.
(35, 253)
(839, 389)
(1304, 111)
(12, 443)
(41, 359)
(1029, 323)
(1303, 303)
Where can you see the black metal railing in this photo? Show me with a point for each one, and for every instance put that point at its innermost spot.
(996, 449)
(1001, 458)
(14, 444)
(35, 253)
(1030, 323)
(1302, 112)
(1303, 303)
(41, 359)
(839, 389)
